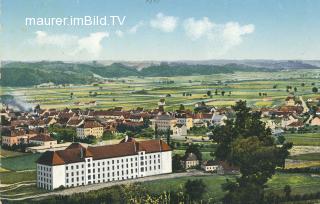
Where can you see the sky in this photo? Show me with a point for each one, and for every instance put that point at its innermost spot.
(165, 30)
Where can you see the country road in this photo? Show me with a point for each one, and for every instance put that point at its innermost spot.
(83, 189)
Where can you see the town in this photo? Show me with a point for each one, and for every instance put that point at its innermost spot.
(86, 146)
(162, 102)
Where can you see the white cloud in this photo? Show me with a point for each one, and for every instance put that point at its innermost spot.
(61, 40)
(119, 33)
(196, 29)
(164, 23)
(72, 45)
(233, 32)
(221, 37)
(92, 43)
(135, 28)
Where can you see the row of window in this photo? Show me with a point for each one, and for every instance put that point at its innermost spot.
(44, 174)
(44, 179)
(44, 168)
(45, 186)
(101, 180)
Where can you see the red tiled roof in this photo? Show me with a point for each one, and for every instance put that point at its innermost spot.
(73, 153)
(50, 158)
(90, 124)
(42, 137)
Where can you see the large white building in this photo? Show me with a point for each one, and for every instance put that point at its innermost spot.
(78, 165)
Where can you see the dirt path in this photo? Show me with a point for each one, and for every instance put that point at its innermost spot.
(83, 189)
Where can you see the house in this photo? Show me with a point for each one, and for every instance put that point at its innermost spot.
(290, 101)
(16, 136)
(136, 118)
(190, 161)
(315, 121)
(228, 168)
(202, 119)
(43, 140)
(218, 119)
(179, 130)
(211, 166)
(296, 125)
(74, 122)
(185, 119)
(286, 121)
(162, 102)
(163, 122)
(78, 165)
(89, 127)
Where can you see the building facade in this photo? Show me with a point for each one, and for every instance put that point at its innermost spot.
(163, 122)
(77, 165)
(89, 128)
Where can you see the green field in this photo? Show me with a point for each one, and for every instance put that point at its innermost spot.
(8, 153)
(309, 139)
(300, 183)
(123, 91)
(306, 157)
(19, 163)
(15, 177)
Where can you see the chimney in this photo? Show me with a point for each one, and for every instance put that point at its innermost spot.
(81, 153)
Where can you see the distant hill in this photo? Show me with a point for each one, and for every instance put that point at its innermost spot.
(57, 72)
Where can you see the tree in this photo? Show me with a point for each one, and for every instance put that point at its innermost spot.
(195, 189)
(295, 89)
(71, 95)
(208, 93)
(156, 131)
(181, 108)
(302, 84)
(222, 93)
(168, 137)
(315, 90)
(287, 191)
(281, 139)
(176, 163)
(193, 148)
(216, 92)
(246, 142)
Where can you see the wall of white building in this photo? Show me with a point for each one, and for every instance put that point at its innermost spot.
(104, 170)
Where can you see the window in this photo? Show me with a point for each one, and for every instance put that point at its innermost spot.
(142, 169)
(66, 167)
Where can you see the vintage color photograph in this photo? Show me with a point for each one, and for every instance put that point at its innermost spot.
(160, 101)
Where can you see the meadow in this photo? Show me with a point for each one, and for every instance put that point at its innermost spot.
(132, 92)
(308, 139)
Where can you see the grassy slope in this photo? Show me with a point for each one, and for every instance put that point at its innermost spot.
(19, 163)
(312, 139)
